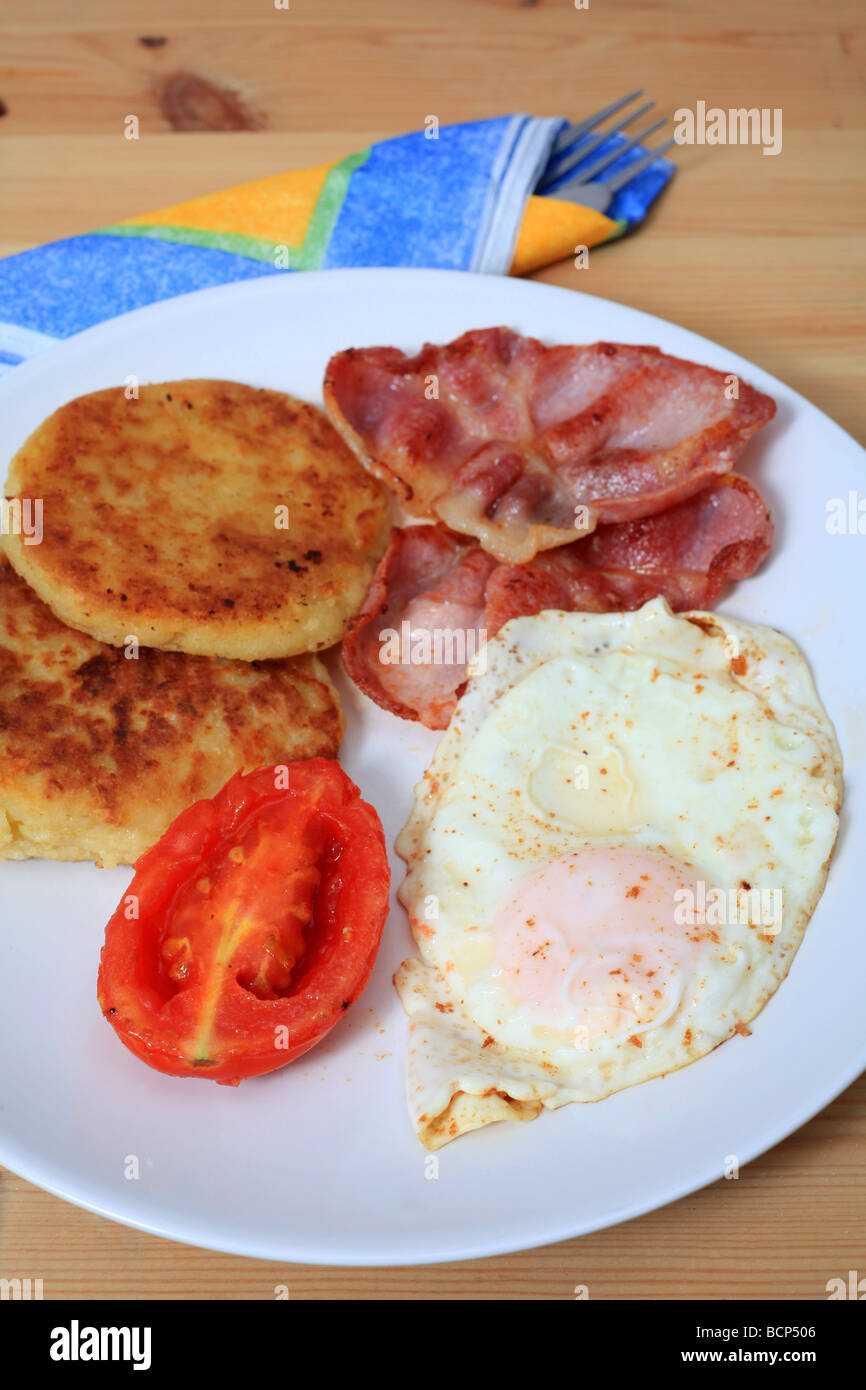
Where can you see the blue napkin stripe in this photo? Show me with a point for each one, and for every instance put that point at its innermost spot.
(441, 187)
(70, 285)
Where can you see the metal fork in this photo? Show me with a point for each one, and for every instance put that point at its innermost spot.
(584, 186)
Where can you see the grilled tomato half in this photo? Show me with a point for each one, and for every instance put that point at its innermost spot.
(250, 927)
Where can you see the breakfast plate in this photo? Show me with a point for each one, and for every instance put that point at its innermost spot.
(318, 1163)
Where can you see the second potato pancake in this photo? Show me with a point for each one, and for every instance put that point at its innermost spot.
(206, 517)
(100, 747)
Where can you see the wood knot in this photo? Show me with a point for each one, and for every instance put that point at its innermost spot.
(189, 102)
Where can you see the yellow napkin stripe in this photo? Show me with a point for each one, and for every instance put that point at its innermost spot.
(553, 230)
(277, 209)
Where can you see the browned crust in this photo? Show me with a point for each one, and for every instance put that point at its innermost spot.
(159, 520)
(107, 748)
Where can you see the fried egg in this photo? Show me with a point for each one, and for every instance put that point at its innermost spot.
(611, 860)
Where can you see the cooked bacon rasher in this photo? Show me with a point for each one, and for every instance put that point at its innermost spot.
(431, 582)
(523, 446)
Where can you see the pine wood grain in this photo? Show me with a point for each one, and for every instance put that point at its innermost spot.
(763, 254)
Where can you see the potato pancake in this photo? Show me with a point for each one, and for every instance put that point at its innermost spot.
(100, 749)
(202, 516)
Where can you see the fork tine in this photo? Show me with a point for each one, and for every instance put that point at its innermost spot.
(587, 148)
(574, 132)
(584, 175)
(637, 166)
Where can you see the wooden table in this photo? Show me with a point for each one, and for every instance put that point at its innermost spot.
(763, 254)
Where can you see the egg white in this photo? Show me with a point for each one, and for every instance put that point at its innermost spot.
(693, 737)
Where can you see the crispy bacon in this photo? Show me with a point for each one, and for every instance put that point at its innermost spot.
(427, 581)
(686, 553)
(435, 582)
(522, 445)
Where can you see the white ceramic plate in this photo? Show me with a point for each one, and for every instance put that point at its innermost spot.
(317, 1163)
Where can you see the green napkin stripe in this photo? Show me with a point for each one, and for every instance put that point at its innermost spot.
(327, 209)
(254, 248)
(620, 229)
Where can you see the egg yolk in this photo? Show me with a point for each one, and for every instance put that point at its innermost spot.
(597, 944)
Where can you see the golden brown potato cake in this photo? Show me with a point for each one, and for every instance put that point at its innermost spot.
(204, 516)
(99, 751)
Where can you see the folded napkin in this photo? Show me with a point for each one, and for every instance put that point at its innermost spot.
(458, 197)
